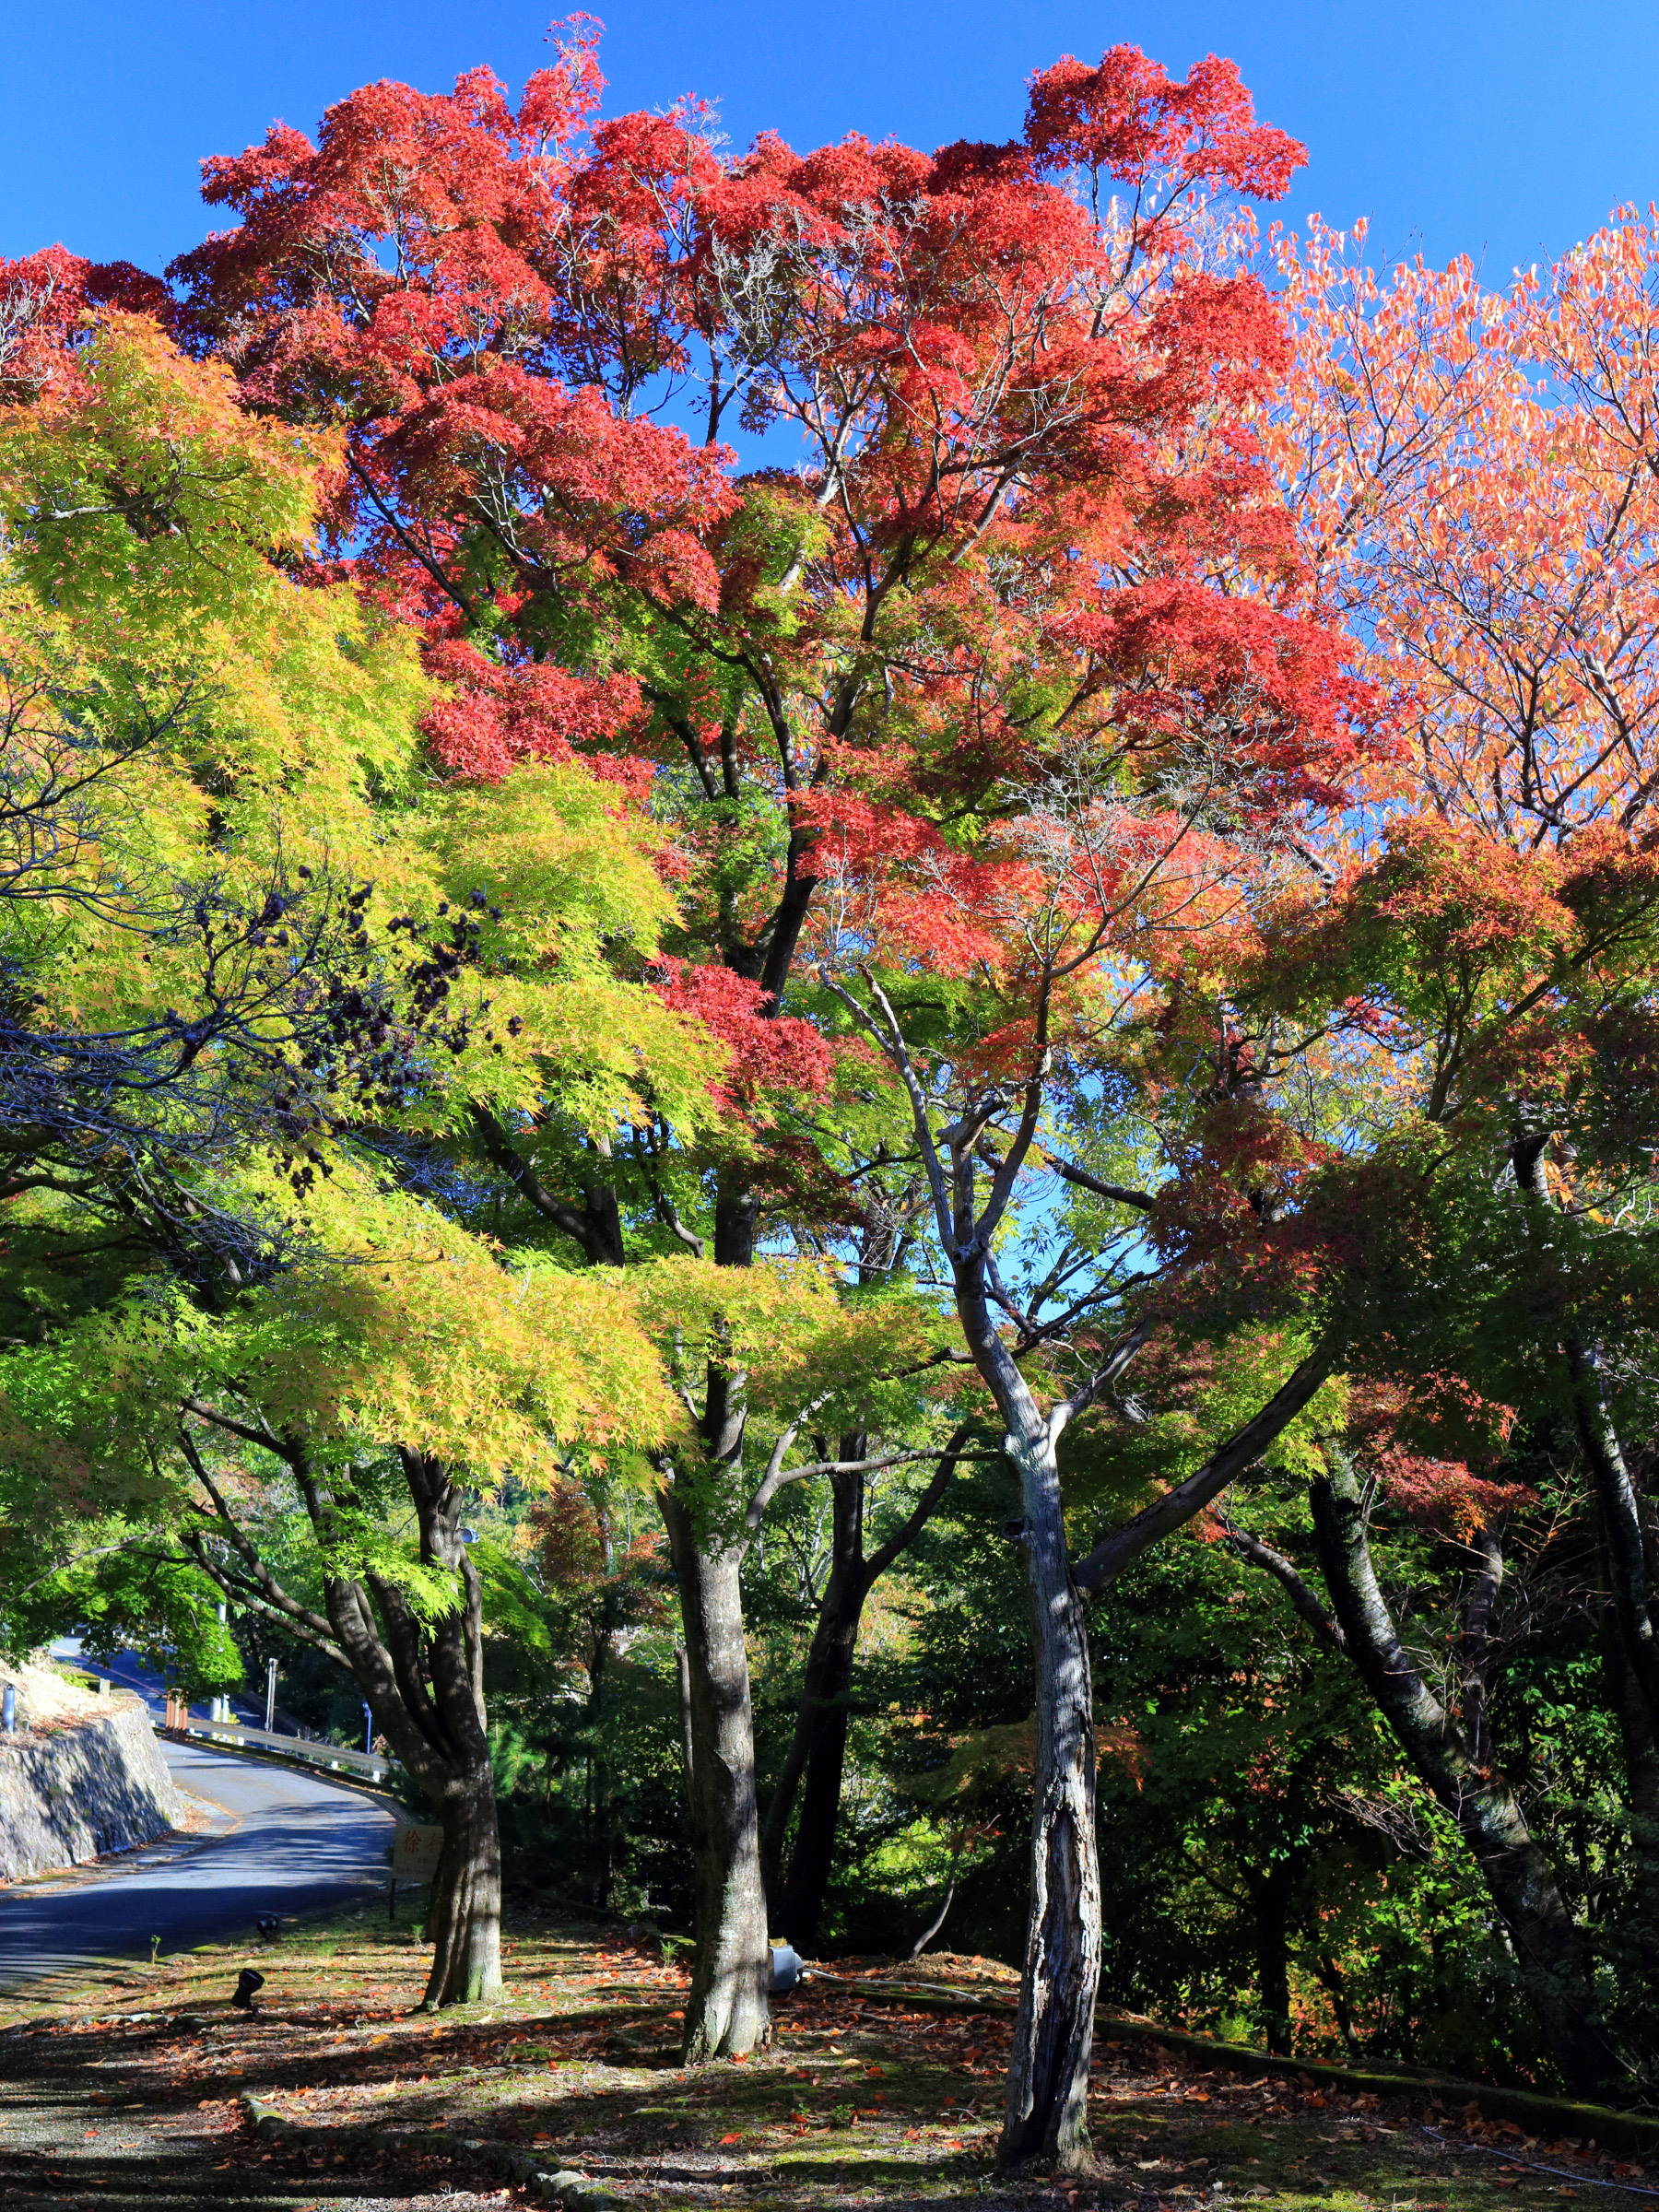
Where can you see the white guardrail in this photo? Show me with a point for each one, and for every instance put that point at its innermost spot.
(374, 1766)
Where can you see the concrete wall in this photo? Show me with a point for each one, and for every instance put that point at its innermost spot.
(83, 1774)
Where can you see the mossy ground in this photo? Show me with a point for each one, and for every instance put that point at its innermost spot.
(121, 2087)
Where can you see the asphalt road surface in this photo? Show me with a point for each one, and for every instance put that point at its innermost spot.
(281, 1840)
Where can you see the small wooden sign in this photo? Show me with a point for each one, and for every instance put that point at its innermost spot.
(415, 1852)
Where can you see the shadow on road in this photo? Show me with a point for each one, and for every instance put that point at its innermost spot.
(292, 1844)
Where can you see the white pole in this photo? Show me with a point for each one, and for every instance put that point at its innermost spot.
(270, 1695)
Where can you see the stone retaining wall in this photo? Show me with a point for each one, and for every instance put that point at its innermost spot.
(83, 1774)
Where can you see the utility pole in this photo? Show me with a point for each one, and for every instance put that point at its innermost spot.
(270, 1696)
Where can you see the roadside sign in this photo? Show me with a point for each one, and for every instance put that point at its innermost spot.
(415, 1852)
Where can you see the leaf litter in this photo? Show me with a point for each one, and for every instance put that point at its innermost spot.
(125, 2088)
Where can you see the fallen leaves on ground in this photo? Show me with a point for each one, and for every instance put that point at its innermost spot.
(579, 2060)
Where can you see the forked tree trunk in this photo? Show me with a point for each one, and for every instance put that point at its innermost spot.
(1518, 1875)
(424, 1682)
(1045, 2121)
(818, 1748)
(1046, 2117)
(421, 1676)
(816, 1761)
(726, 2012)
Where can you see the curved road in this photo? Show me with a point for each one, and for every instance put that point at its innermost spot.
(282, 1840)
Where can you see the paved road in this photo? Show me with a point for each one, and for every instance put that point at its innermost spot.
(286, 1841)
(128, 1672)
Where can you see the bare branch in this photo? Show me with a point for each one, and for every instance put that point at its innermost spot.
(891, 1040)
(1117, 1360)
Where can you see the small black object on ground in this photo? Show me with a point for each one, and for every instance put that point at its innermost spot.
(247, 1982)
(267, 1927)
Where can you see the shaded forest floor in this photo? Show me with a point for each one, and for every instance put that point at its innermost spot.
(126, 2086)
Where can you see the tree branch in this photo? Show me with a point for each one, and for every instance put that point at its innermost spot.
(1225, 1465)
(882, 1558)
(502, 1153)
(1119, 1358)
(1323, 1623)
(1118, 1193)
(316, 1630)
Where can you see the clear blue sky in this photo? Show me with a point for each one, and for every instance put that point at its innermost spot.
(1504, 132)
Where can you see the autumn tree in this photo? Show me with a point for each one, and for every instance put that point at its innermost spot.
(987, 365)
(1473, 476)
(235, 1077)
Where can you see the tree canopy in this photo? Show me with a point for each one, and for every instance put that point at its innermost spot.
(855, 1174)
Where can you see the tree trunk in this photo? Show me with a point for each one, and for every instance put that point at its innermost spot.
(1045, 2121)
(464, 1920)
(726, 2009)
(726, 2012)
(1642, 1795)
(1270, 1907)
(1518, 1876)
(423, 1680)
(1331, 1975)
(1625, 1532)
(818, 1748)
(1632, 1554)
(601, 1838)
(939, 1918)
(1045, 2116)
(682, 1676)
(421, 1676)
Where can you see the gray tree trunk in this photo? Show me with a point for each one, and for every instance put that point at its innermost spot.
(464, 1921)
(727, 2011)
(1045, 2118)
(1518, 1876)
